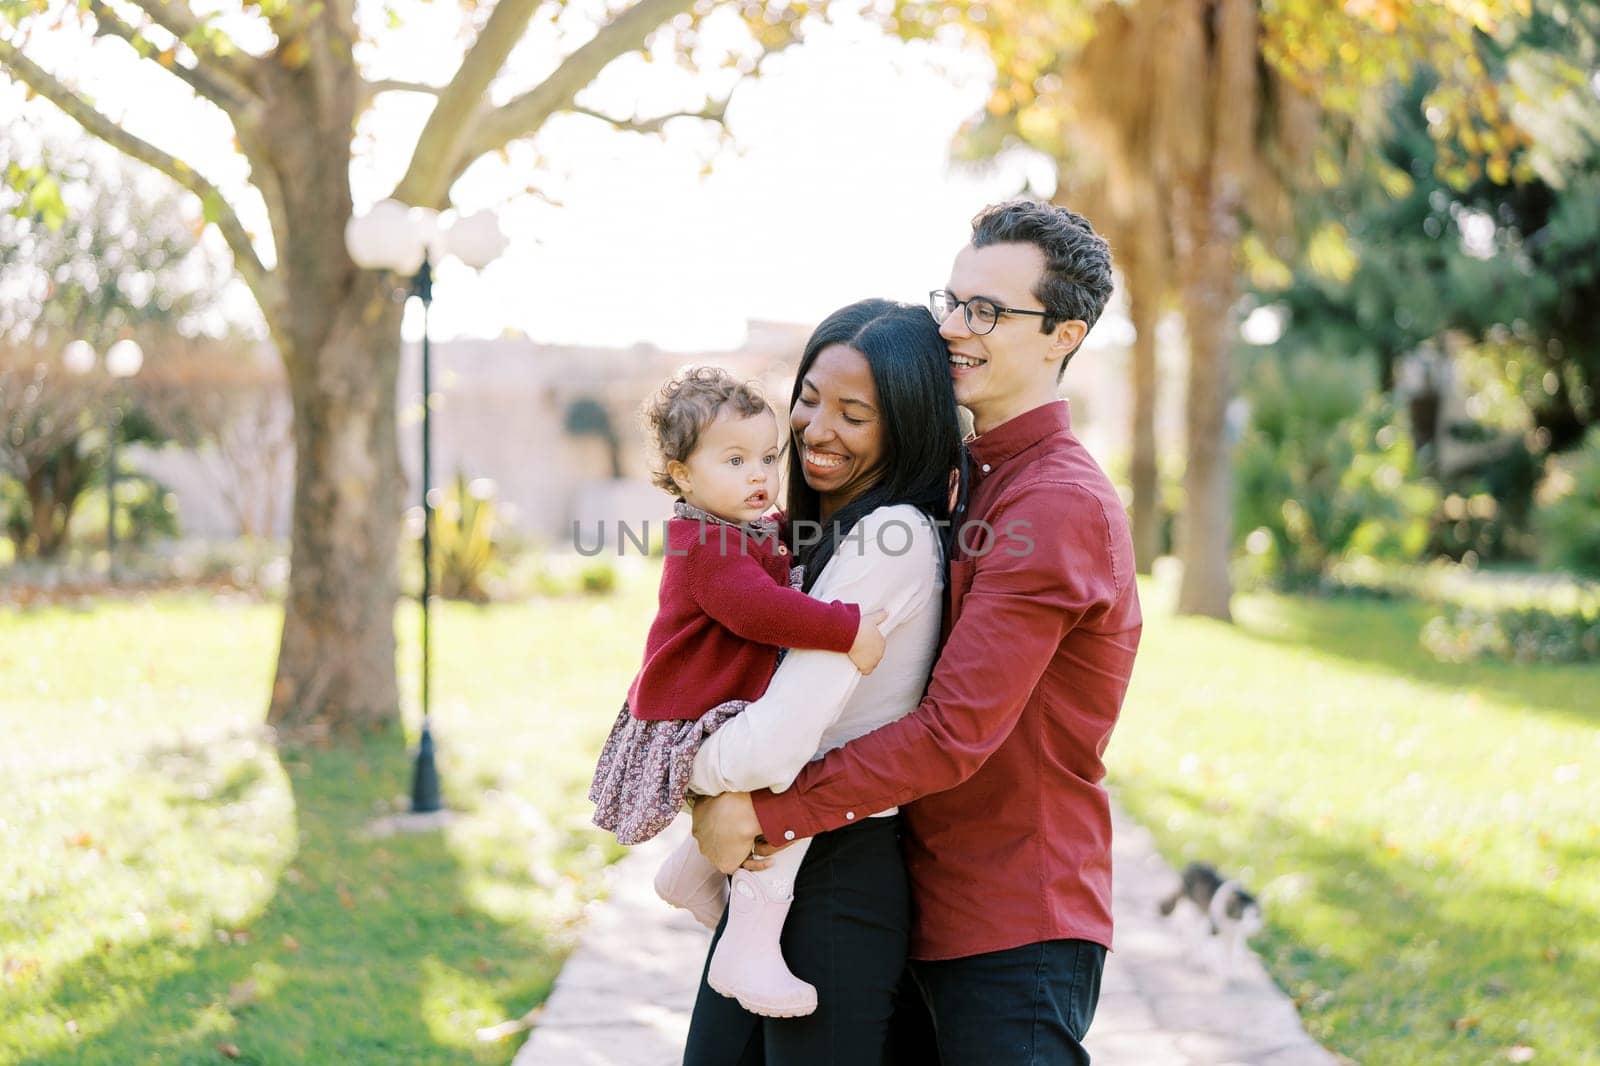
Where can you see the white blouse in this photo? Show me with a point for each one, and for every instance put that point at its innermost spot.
(818, 700)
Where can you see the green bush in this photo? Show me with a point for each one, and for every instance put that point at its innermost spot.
(1519, 635)
(147, 511)
(464, 545)
(1568, 519)
(1324, 473)
(598, 578)
(1488, 512)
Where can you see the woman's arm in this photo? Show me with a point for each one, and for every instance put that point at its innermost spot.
(889, 562)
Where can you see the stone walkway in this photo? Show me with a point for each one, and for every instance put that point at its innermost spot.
(624, 997)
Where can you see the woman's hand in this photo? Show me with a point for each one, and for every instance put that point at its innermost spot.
(761, 857)
(867, 651)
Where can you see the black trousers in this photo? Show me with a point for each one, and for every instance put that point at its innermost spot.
(846, 933)
(1027, 1006)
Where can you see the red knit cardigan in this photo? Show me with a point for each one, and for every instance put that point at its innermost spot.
(726, 608)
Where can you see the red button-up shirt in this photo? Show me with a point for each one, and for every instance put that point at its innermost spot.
(1008, 839)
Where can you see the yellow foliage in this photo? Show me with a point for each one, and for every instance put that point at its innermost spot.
(1329, 253)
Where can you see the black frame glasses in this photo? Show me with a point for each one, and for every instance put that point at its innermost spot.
(942, 303)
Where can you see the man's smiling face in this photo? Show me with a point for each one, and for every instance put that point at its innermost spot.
(1013, 368)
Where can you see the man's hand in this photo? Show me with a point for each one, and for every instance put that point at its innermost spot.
(726, 829)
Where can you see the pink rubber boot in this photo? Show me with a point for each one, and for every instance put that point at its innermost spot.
(688, 880)
(748, 964)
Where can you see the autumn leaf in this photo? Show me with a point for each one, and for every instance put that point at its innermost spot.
(227, 1050)
(243, 993)
(289, 943)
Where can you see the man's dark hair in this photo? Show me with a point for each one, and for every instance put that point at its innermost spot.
(1076, 282)
(910, 368)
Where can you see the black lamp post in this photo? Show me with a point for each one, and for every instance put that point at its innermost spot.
(425, 776)
(409, 241)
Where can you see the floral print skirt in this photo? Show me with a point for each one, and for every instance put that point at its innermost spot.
(644, 769)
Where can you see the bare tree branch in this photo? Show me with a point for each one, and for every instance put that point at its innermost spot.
(216, 207)
(714, 111)
(109, 24)
(444, 136)
(526, 113)
(395, 85)
(178, 19)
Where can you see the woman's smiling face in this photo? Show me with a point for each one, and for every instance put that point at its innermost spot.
(838, 427)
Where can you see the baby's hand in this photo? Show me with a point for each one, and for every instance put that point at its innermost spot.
(867, 651)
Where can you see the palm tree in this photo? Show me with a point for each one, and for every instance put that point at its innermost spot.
(1181, 125)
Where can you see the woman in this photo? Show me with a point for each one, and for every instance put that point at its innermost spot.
(875, 437)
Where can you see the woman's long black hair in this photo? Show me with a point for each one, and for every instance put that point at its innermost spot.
(922, 436)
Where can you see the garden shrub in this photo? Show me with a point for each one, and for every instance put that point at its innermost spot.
(1568, 518)
(1515, 634)
(1323, 471)
(1487, 512)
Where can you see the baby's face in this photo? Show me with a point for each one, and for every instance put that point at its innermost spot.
(733, 470)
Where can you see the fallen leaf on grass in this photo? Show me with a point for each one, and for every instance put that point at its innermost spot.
(1471, 1021)
(290, 943)
(243, 993)
(346, 900)
(228, 1050)
(1519, 1053)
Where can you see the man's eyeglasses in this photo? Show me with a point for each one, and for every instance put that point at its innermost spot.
(981, 313)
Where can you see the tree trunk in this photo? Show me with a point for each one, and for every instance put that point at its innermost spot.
(52, 490)
(1210, 201)
(1205, 529)
(336, 661)
(339, 335)
(1146, 288)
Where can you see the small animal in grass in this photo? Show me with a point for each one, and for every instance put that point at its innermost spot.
(1233, 914)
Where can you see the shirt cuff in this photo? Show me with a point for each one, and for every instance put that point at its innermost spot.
(785, 818)
(781, 815)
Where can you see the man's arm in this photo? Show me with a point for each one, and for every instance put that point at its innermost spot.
(1020, 605)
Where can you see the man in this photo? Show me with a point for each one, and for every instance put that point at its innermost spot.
(1008, 840)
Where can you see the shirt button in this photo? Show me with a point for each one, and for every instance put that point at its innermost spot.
(789, 835)
(985, 468)
(849, 816)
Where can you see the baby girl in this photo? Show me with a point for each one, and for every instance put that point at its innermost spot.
(728, 603)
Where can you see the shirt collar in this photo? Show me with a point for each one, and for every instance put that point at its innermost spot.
(761, 526)
(1022, 432)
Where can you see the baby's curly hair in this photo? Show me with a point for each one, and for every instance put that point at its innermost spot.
(682, 409)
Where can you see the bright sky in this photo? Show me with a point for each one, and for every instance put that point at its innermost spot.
(837, 185)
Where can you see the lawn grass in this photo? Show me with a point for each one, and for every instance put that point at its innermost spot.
(1426, 836)
(174, 889)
